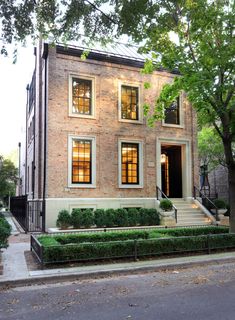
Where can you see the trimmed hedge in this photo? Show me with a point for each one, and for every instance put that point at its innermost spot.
(107, 218)
(5, 231)
(143, 247)
(180, 232)
(93, 237)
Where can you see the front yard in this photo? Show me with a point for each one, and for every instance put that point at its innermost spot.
(58, 248)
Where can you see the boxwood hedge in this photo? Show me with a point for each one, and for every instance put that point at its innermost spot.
(5, 231)
(103, 245)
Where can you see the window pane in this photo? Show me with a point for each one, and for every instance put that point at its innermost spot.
(172, 113)
(81, 161)
(129, 103)
(130, 163)
(82, 93)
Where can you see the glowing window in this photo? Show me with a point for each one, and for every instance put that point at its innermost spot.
(130, 163)
(129, 103)
(81, 96)
(81, 161)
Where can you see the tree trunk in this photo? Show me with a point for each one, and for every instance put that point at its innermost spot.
(231, 185)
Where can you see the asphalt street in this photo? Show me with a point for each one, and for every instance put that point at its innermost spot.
(198, 293)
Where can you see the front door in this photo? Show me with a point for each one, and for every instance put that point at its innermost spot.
(171, 171)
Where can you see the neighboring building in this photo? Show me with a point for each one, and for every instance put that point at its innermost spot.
(218, 180)
(88, 144)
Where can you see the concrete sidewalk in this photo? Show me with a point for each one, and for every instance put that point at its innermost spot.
(16, 273)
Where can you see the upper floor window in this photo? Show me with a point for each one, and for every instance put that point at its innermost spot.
(172, 113)
(129, 102)
(81, 97)
(81, 161)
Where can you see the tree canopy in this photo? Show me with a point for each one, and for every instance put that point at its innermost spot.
(8, 178)
(196, 37)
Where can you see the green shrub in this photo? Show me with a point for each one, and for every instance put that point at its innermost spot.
(76, 218)
(181, 232)
(101, 236)
(82, 218)
(220, 203)
(109, 218)
(121, 218)
(149, 217)
(166, 205)
(87, 218)
(5, 231)
(145, 247)
(63, 220)
(133, 217)
(100, 218)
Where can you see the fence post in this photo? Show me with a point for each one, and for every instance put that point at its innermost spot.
(135, 250)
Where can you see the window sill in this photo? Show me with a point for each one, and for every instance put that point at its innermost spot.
(82, 116)
(129, 186)
(131, 121)
(82, 186)
(180, 126)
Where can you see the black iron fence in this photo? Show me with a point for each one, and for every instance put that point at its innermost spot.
(28, 213)
(133, 249)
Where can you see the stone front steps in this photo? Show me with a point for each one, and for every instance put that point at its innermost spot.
(189, 214)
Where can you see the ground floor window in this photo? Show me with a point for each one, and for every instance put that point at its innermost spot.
(82, 157)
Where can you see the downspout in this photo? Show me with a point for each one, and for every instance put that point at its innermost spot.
(26, 142)
(34, 132)
(45, 56)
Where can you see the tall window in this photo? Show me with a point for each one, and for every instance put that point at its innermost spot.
(81, 96)
(81, 161)
(130, 163)
(129, 102)
(172, 113)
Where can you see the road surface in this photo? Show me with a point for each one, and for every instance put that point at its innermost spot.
(196, 293)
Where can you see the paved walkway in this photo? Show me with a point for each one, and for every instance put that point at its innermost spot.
(15, 271)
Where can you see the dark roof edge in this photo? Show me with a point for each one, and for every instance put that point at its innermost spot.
(76, 52)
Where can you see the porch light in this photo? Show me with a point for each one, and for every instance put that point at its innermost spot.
(163, 158)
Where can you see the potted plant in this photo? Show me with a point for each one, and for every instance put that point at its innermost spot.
(166, 208)
(221, 206)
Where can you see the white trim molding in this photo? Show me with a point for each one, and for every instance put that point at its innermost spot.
(93, 96)
(186, 158)
(140, 102)
(181, 125)
(93, 162)
(140, 167)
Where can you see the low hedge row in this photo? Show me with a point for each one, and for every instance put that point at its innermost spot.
(138, 248)
(5, 231)
(128, 235)
(108, 218)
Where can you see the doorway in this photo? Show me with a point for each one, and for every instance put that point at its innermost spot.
(171, 170)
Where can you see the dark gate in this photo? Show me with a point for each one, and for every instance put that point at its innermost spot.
(29, 213)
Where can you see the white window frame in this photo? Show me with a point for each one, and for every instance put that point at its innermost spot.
(93, 95)
(141, 161)
(93, 162)
(181, 115)
(140, 102)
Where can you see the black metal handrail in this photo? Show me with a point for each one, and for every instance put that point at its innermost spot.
(164, 196)
(202, 195)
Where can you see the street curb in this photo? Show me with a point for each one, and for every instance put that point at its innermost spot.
(37, 280)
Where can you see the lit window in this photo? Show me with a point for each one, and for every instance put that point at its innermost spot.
(129, 102)
(172, 113)
(130, 163)
(81, 96)
(81, 161)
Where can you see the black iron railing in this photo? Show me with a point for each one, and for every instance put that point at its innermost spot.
(205, 201)
(28, 213)
(135, 249)
(162, 195)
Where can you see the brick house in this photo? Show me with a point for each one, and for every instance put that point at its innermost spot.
(88, 144)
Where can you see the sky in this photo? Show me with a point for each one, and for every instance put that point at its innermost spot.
(13, 81)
